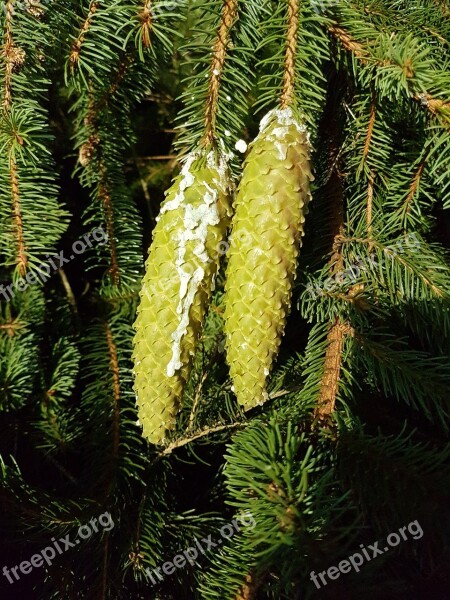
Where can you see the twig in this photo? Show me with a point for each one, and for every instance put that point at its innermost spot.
(76, 46)
(196, 400)
(69, 291)
(329, 384)
(187, 440)
(229, 14)
(105, 196)
(287, 96)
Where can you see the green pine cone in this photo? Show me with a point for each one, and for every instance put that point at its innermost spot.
(176, 288)
(266, 236)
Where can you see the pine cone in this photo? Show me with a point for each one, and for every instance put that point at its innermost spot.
(179, 275)
(266, 235)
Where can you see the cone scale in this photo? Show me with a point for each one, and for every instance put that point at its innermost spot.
(267, 228)
(179, 276)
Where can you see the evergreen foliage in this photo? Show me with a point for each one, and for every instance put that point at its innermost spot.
(101, 102)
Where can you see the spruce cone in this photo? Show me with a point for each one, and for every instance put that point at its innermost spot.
(177, 284)
(266, 235)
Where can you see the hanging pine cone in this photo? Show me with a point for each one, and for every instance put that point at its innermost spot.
(178, 279)
(266, 235)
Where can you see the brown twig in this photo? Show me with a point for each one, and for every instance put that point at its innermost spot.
(434, 105)
(13, 57)
(229, 15)
(124, 65)
(197, 397)
(76, 46)
(437, 107)
(187, 440)
(105, 197)
(348, 42)
(414, 186)
(287, 96)
(443, 5)
(69, 292)
(12, 327)
(21, 256)
(369, 207)
(114, 366)
(8, 49)
(146, 18)
(370, 127)
(329, 385)
(104, 579)
(249, 589)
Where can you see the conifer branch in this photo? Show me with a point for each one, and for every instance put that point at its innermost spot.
(437, 107)
(13, 57)
(329, 385)
(76, 46)
(349, 43)
(21, 256)
(11, 327)
(9, 54)
(146, 19)
(124, 65)
(105, 197)
(187, 440)
(196, 400)
(443, 5)
(370, 127)
(371, 243)
(414, 186)
(369, 208)
(434, 105)
(104, 581)
(287, 96)
(114, 365)
(229, 15)
(249, 589)
(69, 292)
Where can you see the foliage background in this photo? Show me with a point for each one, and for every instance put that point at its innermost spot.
(90, 129)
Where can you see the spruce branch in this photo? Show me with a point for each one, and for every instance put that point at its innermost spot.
(329, 385)
(105, 573)
(373, 113)
(414, 186)
(350, 44)
(69, 292)
(288, 93)
(369, 209)
(249, 588)
(13, 55)
(437, 107)
(196, 401)
(443, 5)
(74, 56)
(114, 366)
(27, 175)
(229, 15)
(339, 329)
(21, 256)
(105, 197)
(9, 51)
(196, 436)
(146, 18)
